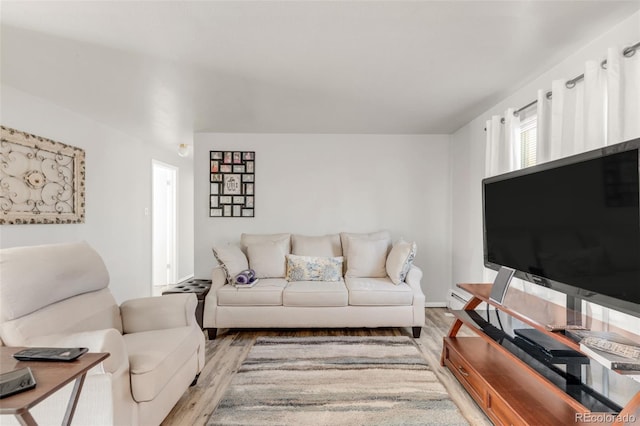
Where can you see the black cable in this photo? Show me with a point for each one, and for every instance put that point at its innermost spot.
(499, 322)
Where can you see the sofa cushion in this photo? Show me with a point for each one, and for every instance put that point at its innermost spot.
(346, 236)
(47, 274)
(268, 259)
(248, 239)
(399, 260)
(367, 257)
(154, 358)
(315, 293)
(313, 268)
(378, 292)
(232, 259)
(91, 311)
(266, 292)
(325, 245)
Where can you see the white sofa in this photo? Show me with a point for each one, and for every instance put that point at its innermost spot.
(57, 295)
(377, 287)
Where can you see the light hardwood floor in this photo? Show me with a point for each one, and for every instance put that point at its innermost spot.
(225, 354)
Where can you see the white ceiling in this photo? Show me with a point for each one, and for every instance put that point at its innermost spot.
(163, 70)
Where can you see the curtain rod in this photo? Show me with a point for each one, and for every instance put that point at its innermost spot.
(627, 52)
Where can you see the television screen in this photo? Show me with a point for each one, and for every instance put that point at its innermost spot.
(571, 224)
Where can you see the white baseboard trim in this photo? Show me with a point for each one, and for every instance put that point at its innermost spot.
(435, 305)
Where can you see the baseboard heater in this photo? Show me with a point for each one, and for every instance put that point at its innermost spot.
(458, 297)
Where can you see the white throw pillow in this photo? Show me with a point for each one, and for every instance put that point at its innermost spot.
(345, 237)
(249, 239)
(400, 259)
(367, 258)
(232, 260)
(323, 246)
(268, 259)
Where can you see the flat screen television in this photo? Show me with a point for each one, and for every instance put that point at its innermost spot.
(572, 225)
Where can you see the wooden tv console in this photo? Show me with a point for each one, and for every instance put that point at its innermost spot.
(511, 387)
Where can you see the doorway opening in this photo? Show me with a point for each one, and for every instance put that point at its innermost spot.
(164, 224)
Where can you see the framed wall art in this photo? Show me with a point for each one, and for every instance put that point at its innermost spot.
(41, 181)
(232, 183)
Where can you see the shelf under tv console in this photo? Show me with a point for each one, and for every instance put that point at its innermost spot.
(518, 385)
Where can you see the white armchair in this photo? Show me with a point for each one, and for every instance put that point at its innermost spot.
(57, 295)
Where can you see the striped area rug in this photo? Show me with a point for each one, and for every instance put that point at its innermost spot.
(345, 380)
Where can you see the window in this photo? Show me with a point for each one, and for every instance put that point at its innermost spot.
(528, 138)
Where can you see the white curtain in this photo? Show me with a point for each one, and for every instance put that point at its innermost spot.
(578, 114)
(503, 147)
(543, 106)
(601, 110)
(623, 96)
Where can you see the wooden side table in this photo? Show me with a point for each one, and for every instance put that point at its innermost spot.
(50, 377)
(197, 286)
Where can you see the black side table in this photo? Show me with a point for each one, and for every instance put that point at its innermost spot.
(197, 286)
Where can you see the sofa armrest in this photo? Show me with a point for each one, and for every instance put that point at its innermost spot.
(218, 279)
(108, 340)
(413, 278)
(159, 313)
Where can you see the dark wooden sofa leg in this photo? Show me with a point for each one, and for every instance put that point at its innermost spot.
(212, 332)
(195, 380)
(416, 332)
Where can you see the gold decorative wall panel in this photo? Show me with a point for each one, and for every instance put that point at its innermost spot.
(41, 181)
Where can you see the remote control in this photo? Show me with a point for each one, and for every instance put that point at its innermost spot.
(49, 354)
(16, 381)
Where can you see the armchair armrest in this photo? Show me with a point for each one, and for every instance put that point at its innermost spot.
(107, 340)
(159, 313)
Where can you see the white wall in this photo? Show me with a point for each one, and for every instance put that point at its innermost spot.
(319, 184)
(118, 189)
(467, 167)
(469, 153)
